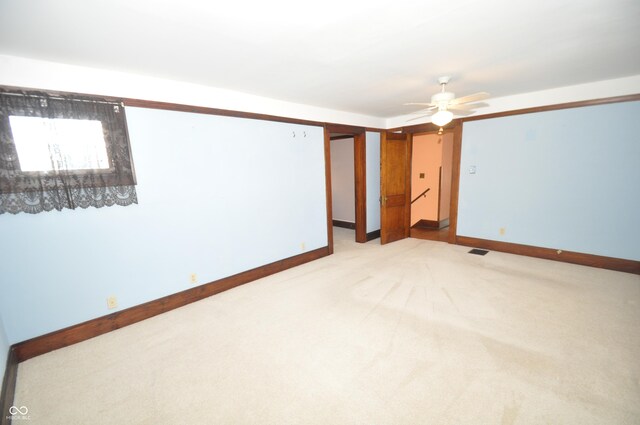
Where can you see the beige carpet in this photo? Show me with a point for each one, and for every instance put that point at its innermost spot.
(416, 332)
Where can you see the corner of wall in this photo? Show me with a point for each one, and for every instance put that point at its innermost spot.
(4, 349)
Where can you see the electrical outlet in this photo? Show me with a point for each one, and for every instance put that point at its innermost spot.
(112, 302)
(193, 278)
(502, 230)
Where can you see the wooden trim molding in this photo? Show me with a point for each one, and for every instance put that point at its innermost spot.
(431, 224)
(152, 104)
(360, 176)
(344, 224)
(430, 127)
(579, 104)
(427, 224)
(342, 128)
(92, 328)
(360, 180)
(8, 386)
(618, 264)
(327, 184)
(439, 190)
(455, 182)
(373, 235)
(407, 177)
(425, 128)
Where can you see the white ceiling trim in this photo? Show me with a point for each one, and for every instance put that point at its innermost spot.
(44, 75)
(38, 74)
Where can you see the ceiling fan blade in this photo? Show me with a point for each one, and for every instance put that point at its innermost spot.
(464, 107)
(419, 104)
(417, 118)
(460, 113)
(467, 106)
(430, 110)
(424, 112)
(471, 98)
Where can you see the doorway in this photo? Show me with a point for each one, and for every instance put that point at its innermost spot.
(431, 184)
(343, 181)
(346, 195)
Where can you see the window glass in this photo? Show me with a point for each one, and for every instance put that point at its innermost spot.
(45, 144)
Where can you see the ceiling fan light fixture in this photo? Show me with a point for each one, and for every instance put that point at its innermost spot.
(442, 117)
(446, 100)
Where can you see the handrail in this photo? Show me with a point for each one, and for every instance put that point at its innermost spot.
(422, 194)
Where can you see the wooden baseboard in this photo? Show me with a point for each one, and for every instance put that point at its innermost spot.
(8, 387)
(431, 224)
(426, 224)
(344, 224)
(92, 328)
(618, 264)
(373, 235)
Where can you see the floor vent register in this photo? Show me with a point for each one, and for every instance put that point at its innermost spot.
(478, 251)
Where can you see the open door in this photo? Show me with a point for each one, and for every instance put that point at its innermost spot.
(395, 186)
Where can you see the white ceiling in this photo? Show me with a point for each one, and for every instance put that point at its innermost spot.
(366, 57)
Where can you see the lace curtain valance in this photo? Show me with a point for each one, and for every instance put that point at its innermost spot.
(63, 152)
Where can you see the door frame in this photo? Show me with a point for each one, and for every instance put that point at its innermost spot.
(455, 182)
(455, 157)
(360, 179)
(456, 127)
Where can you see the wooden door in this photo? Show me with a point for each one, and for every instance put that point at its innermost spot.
(395, 186)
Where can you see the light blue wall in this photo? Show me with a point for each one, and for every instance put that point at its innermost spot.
(217, 196)
(566, 179)
(4, 350)
(372, 147)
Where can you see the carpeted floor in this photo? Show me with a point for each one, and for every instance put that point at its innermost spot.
(415, 332)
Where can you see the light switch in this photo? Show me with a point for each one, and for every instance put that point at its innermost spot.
(472, 169)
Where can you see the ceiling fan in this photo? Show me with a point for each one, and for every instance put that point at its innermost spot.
(444, 104)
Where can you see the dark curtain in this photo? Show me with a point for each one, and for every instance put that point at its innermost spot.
(34, 192)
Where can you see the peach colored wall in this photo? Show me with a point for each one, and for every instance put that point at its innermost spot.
(445, 188)
(426, 158)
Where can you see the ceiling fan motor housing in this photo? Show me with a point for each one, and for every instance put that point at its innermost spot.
(442, 98)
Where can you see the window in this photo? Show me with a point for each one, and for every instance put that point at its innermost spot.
(79, 144)
(62, 152)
